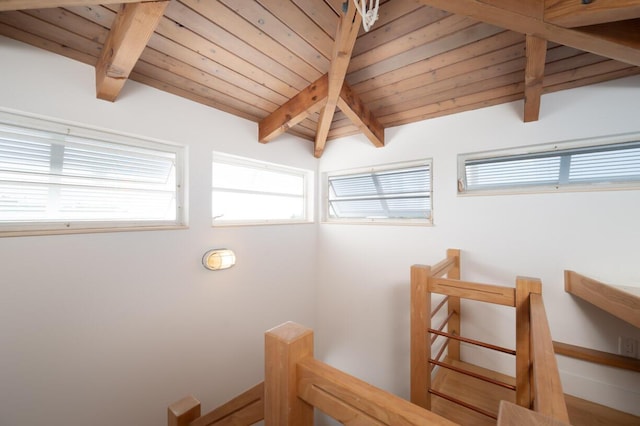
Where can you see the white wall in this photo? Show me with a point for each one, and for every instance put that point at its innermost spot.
(363, 289)
(105, 329)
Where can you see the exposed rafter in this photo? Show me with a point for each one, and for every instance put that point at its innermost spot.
(536, 50)
(512, 18)
(255, 59)
(341, 55)
(353, 107)
(327, 93)
(572, 13)
(39, 4)
(133, 26)
(296, 109)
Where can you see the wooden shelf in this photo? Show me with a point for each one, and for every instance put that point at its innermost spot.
(622, 302)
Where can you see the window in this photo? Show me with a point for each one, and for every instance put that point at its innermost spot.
(600, 164)
(246, 192)
(60, 178)
(399, 193)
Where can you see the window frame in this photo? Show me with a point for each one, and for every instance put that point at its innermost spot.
(308, 177)
(604, 142)
(60, 129)
(326, 217)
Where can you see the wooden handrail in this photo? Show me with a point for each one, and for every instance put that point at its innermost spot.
(597, 357)
(610, 298)
(295, 382)
(246, 408)
(475, 291)
(443, 267)
(548, 397)
(350, 400)
(511, 414)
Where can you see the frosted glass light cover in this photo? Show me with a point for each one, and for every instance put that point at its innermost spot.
(218, 259)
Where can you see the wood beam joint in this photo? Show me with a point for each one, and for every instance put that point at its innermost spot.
(343, 47)
(296, 109)
(536, 51)
(508, 16)
(130, 32)
(575, 13)
(361, 115)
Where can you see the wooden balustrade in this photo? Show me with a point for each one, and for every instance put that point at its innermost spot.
(548, 397)
(532, 351)
(622, 302)
(420, 321)
(295, 382)
(246, 409)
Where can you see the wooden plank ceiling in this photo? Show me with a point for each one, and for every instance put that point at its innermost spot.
(307, 67)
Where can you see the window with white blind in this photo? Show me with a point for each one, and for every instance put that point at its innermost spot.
(60, 178)
(396, 193)
(612, 163)
(252, 192)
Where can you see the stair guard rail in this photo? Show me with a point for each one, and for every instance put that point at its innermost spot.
(538, 384)
(295, 382)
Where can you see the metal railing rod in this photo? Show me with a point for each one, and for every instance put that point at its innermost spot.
(440, 305)
(464, 404)
(445, 322)
(472, 374)
(440, 352)
(473, 342)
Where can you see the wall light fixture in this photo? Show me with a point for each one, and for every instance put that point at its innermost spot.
(218, 259)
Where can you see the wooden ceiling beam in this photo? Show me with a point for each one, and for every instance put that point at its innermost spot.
(353, 107)
(626, 33)
(507, 17)
(573, 13)
(341, 55)
(295, 110)
(536, 51)
(43, 4)
(130, 32)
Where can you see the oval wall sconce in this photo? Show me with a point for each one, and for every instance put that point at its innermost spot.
(218, 259)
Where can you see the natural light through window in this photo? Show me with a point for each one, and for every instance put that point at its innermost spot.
(612, 163)
(66, 178)
(398, 193)
(246, 191)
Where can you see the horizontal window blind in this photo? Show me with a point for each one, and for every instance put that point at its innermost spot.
(49, 178)
(608, 164)
(396, 194)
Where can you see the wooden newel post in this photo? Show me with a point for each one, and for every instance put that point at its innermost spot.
(420, 339)
(453, 307)
(183, 412)
(524, 288)
(285, 345)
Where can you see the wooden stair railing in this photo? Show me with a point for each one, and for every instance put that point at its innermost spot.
(619, 301)
(303, 382)
(596, 357)
(532, 343)
(548, 397)
(247, 409)
(295, 382)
